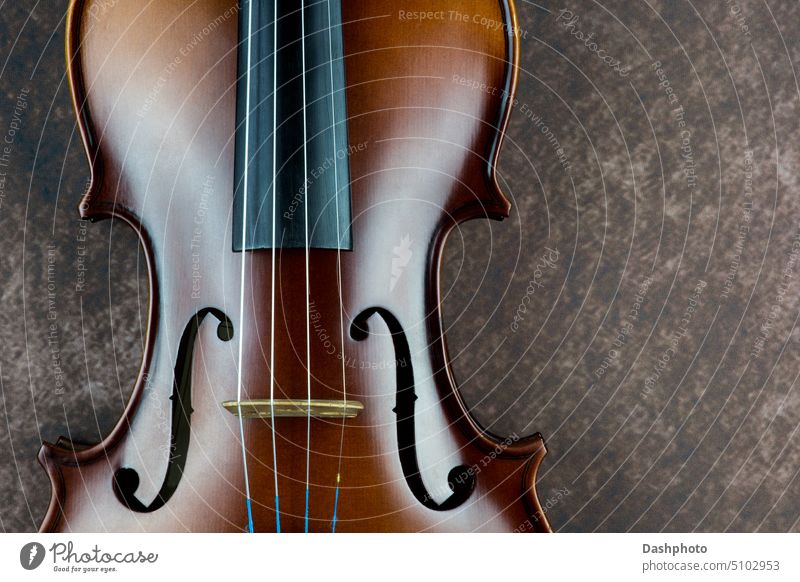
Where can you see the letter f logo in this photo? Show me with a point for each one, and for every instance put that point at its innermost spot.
(31, 555)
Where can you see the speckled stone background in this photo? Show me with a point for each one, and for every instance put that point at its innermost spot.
(639, 309)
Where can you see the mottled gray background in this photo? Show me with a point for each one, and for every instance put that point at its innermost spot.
(594, 164)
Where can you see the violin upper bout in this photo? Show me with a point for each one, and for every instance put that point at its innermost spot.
(153, 93)
(537, 520)
(497, 205)
(94, 202)
(484, 197)
(75, 81)
(430, 98)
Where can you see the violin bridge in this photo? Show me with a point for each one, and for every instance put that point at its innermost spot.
(294, 408)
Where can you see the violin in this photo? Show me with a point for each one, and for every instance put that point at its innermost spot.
(292, 170)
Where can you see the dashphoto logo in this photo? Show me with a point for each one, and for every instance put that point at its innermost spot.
(31, 555)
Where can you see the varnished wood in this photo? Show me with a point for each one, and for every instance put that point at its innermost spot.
(155, 94)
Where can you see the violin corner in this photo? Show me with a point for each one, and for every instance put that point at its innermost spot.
(537, 518)
(50, 457)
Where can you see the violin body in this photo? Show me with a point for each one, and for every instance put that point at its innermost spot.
(154, 86)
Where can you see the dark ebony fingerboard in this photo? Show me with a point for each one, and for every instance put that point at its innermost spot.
(310, 164)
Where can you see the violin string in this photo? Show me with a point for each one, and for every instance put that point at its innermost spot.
(244, 260)
(274, 252)
(308, 284)
(338, 267)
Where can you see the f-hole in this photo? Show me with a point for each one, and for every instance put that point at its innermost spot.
(126, 480)
(460, 479)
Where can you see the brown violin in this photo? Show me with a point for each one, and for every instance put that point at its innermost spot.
(293, 169)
